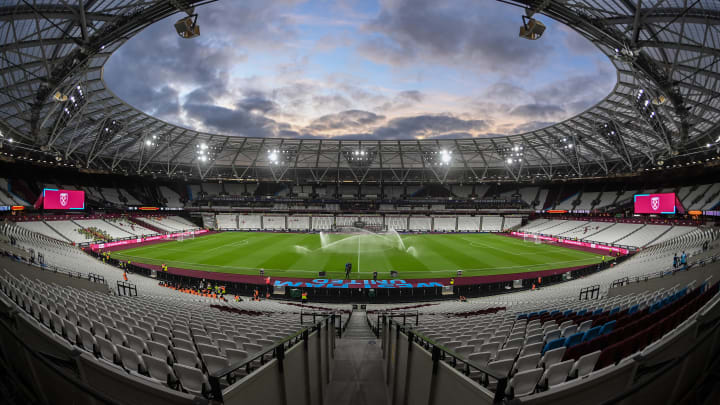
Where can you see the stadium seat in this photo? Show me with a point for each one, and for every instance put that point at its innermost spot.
(523, 383)
(553, 344)
(191, 379)
(592, 333)
(574, 339)
(71, 331)
(235, 356)
(568, 330)
(490, 347)
(608, 327)
(158, 350)
(208, 349)
(131, 360)
(57, 324)
(556, 374)
(205, 340)
(526, 362)
(160, 338)
(533, 348)
(505, 354)
(159, 371)
(186, 357)
(585, 364)
(514, 343)
(87, 340)
(552, 335)
(107, 349)
(215, 363)
(116, 336)
(501, 367)
(585, 326)
(552, 356)
(183, 344)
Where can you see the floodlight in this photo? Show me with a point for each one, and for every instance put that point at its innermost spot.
(531, 29)
(187, 27)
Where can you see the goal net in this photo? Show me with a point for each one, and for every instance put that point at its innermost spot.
(183, 237)
(532, 239)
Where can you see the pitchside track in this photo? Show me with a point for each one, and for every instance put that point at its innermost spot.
(413, 255)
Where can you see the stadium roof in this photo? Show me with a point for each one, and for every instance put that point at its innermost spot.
(665, 104)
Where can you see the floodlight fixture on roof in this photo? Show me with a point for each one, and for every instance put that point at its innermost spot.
(187, 27)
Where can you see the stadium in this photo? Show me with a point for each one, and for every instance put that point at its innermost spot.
(386, 202)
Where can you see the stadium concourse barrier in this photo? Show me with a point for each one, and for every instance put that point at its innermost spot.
(667, 371)
(298, 374)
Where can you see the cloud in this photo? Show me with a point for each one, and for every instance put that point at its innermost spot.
(231, 121)
(428, 126)
(346, 120)
(537, 111)
(465, 33)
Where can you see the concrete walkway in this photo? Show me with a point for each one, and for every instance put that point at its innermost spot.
(358, 377)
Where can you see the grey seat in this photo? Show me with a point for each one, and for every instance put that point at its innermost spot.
(585, 326)
(501, 367)
(141, 333)
(251, 348)
(57, 323)
(532, 348)
(552, 356)
(107, 349)
(523, 383)
(208, 349)
(235, 356)
(225, 344)
(585, 364)
(131, 360)
(158, 350)
(186, 357)
(87, 340)
(192, 380)
(205, 340)
(525, 363)
(136, 343)
(159, 371)
(183, 344)
(509, 353)
(116, 336)
(556, 374)
(160, 338)
(71, 332)
(215, 363)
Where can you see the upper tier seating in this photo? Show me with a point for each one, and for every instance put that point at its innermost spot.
(226, 221)
(468, 223)
(173, 198)
(419, 224)
(492, 223)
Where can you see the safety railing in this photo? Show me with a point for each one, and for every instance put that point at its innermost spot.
(276, 352)
(590, 292)
(441, 353)
(126, 289)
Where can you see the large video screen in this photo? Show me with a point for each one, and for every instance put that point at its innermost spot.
(63, 199)
(655, 203)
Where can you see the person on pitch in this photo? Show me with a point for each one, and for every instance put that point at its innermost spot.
(348, 269)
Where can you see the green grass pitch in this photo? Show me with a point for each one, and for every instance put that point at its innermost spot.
(413, 255)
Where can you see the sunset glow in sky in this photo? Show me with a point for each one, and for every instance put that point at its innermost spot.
(352, 69)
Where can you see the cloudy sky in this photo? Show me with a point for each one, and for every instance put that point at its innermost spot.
(360, 69)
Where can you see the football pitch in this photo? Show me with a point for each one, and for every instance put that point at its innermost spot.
(412, 255)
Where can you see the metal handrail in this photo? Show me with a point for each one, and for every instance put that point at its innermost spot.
(441, 352)
(278, 352)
